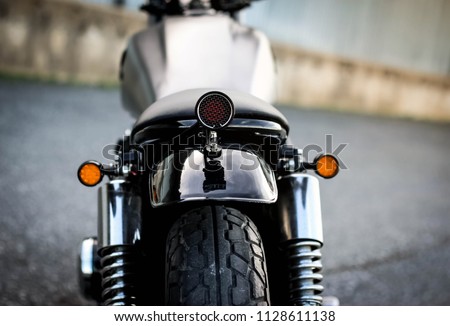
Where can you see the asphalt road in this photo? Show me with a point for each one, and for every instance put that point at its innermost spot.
(386, 217)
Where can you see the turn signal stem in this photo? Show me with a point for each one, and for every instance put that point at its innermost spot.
(308, 166)
(291, 160)
(110, 170)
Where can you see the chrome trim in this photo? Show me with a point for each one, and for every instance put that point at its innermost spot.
(255, 123)
(235, 176)
(87, 266)
(88, 273)
(152, 133)
(299, 208)
(120, 208)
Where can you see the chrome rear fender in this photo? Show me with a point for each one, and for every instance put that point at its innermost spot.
(235, 176)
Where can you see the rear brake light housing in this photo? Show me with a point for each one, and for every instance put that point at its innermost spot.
(214, 110)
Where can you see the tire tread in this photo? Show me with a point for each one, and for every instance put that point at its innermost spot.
(215, 257)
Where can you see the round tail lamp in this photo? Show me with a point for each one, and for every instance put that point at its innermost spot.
(214, 110)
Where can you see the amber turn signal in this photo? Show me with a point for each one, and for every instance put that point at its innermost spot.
(90, 173)
(326, 165)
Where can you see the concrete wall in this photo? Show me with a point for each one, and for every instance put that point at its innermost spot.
(315, 80)
(74, 41)
(409, 34)
(64, 40)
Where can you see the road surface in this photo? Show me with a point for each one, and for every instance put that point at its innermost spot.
(386, 217)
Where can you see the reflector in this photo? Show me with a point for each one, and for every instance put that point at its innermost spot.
(326, 165)
(90, 174)
(214, 110)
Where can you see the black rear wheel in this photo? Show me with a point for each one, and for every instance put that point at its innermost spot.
(215, 256)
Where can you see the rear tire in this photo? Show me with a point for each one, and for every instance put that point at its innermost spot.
(215, 257)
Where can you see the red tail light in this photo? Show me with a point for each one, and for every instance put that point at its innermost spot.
(214, 110)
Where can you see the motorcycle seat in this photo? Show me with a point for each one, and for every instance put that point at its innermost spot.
(181, 106)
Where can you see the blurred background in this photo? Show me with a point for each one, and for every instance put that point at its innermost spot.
(374, 74)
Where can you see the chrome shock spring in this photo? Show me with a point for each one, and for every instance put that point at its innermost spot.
(304, 273)
(120, 275)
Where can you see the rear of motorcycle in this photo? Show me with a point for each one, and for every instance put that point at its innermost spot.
(207, 202)
(216, 195)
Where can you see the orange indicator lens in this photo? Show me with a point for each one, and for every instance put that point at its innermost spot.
(90, 174)
(327, 166)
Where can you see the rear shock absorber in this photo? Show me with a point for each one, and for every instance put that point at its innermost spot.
(304, 267)
(119, 233)
(300, 221)
(120, 275)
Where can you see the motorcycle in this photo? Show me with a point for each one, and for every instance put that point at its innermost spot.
(207, 202)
